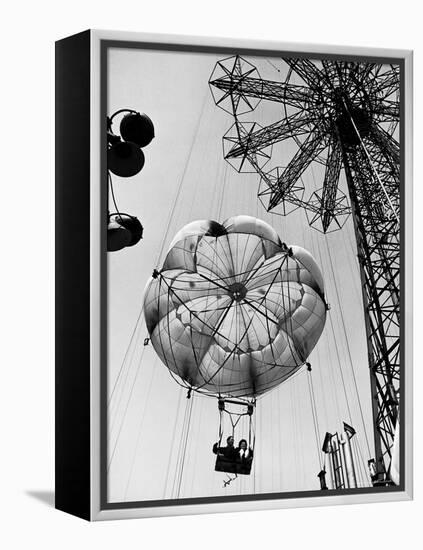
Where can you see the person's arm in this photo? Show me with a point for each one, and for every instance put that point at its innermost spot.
(217, 450)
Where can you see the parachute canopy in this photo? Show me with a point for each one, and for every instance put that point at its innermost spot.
(234, 311)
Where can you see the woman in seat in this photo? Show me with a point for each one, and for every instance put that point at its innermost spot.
(244, 456)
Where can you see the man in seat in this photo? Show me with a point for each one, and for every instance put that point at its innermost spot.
(229, 452)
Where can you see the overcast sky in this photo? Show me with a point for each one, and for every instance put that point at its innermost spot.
(147, 409)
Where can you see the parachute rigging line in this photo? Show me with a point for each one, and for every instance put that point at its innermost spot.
(315, 417)
(360, 455)
(199, 418)
(170, 217)
(349, 350)
(334, 279)
(251, 433)
(215, 330)
(139, 430)
(340, 370)
(168, 298)
(220, 427)
(239, 416)
(363, 473)
(190, 406)
(180, 450)
(115, 406)
(321, 454)
(234, 424)
(125, 412)
(360, 460)
(181, 181)
(296, 431)
(172, 442)
(183, 448)
(125, 357)
(172, 211)
(338, 356)
(329, 354)
(298, 352)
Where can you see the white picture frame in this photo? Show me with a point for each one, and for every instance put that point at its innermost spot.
(88, 496)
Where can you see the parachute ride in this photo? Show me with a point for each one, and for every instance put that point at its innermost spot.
(234, 312)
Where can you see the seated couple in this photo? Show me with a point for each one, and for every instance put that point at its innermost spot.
(233, 459)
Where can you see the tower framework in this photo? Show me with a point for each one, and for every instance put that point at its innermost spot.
(344, 115)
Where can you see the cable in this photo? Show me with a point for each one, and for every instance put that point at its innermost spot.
(139, 431)
(172, 442)
(181, 181)
(185, 435)
(124, 415)
(124, 358)
(315, 419)
(113, 193)
(349, 352)
(170, 217)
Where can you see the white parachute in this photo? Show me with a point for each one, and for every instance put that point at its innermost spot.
(234, 311)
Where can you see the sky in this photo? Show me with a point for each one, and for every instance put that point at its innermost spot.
(159, 441)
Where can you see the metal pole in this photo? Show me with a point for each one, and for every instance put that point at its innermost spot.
(337, 466)
(348, 461)
(327, 449)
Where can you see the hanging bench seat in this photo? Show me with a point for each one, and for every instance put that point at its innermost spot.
(229, 466)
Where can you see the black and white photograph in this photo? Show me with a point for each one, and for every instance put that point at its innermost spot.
(210, 278)
(254, 275)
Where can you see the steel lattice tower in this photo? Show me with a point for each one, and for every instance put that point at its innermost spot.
(344, 115)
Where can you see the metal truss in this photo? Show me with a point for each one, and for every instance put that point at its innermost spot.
(345, 116)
